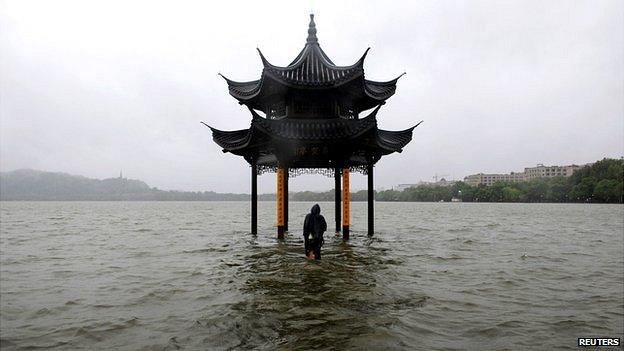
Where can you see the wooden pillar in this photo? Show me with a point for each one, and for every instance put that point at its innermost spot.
(337, 197)
(254, 198)
(279, 197)
(345, 204)
(371, 198)
(285, 199)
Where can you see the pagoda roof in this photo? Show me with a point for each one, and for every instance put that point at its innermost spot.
(312, 68)
(315, 129)
(339, 131)
(312, 108)
(244, 91)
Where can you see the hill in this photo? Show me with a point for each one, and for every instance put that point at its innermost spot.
(27, 184)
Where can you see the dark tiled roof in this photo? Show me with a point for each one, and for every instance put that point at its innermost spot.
(395, 141)
(295, 129)
(243, 90)
(312, 67)
(230, 140)
(314, 129)
(381, 90)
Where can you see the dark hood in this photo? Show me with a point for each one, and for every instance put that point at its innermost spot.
(316, 209)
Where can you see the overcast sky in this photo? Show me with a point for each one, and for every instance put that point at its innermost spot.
(95, 87)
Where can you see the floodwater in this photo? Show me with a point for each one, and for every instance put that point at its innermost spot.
(188, 275)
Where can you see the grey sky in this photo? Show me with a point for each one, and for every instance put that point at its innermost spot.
(92, 87)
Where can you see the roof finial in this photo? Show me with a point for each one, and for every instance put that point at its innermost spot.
(312, 39)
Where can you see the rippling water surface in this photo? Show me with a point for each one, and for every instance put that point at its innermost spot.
(188, 275)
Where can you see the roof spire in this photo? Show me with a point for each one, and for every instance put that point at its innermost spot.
(312, 39)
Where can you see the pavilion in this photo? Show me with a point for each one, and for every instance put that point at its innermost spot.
(312, 124)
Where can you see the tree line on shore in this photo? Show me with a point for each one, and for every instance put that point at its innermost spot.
(601, 182)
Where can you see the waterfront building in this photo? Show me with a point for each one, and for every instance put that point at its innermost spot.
(541, 171)
(311, 123)
(530, 173)
(489, 179)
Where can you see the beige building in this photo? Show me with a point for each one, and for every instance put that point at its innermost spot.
(489, 179)
(540, 171)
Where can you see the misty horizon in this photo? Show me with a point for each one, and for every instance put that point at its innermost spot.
(94, 88)
(129, 177)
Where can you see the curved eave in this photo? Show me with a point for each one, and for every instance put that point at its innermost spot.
(231, 141)
(243, 91)
(381, 90)
(394, 141)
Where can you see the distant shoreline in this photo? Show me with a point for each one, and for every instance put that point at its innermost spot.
(600, 182)
(327, 201)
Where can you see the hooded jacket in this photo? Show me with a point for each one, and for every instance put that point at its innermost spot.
(314, 223)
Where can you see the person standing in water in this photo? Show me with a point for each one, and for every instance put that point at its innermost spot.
(314, 226)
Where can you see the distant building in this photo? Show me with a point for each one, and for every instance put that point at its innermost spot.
(441, 182)
(402, 187)
(542, 171)
(444, 182)
(489, 179)
(530, 173)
